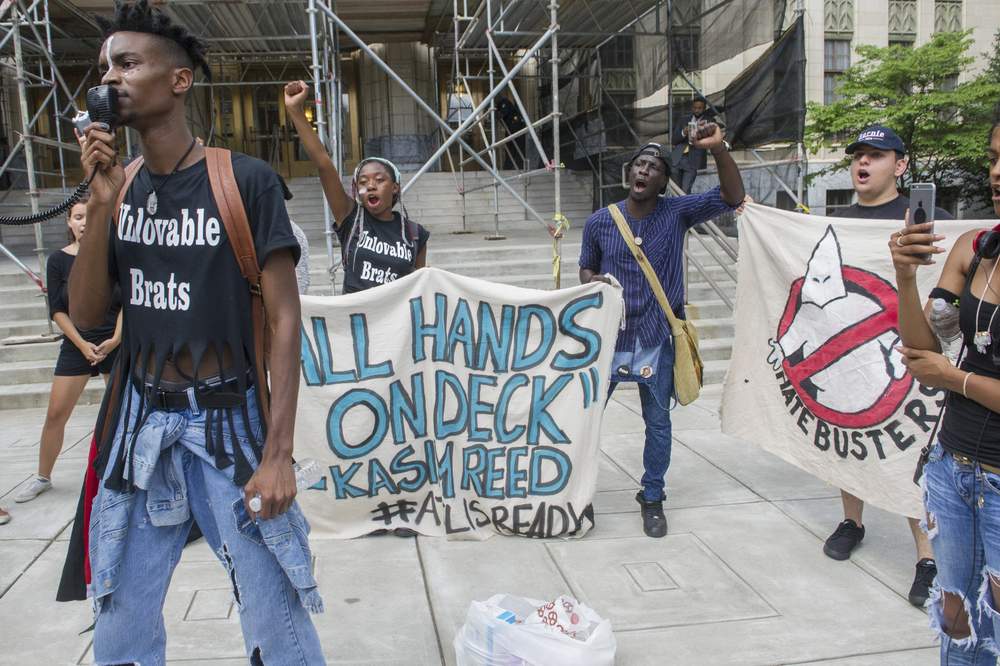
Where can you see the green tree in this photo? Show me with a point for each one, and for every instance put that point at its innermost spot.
(914, 91)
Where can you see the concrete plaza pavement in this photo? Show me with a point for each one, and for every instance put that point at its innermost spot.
(740, 579)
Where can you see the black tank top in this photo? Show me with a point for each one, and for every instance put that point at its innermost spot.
(968, 427)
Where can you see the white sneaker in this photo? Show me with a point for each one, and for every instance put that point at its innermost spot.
(35, 487)
(4, 517)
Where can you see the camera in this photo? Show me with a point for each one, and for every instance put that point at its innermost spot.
(692, 131)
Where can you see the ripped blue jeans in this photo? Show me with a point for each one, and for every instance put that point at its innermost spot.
(136, 539)
(963, 524)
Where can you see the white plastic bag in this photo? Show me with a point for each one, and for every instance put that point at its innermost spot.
(506, 630)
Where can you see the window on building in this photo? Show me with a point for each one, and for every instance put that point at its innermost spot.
(947, 15)
(618, 53)
(687, 53)
(902, 22)
(949, 83)
(838, 199)
(836, 59)
(784, 201)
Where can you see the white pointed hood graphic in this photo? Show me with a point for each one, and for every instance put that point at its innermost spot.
(824, 280)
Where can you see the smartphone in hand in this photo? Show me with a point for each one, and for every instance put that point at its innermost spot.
(922, 204)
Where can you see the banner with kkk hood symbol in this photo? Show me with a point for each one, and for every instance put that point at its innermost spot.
(815, 377)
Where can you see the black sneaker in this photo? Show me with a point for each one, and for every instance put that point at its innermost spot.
(654, 523)
(844, 539)
(920, 591)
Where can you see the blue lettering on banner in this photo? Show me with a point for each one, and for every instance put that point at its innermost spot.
(494, 341)
(462, 331)
(359, 330)
(523, 359)
(412, 407)
(335, 423)
(435, 331)
(589, 338)
(478, 429)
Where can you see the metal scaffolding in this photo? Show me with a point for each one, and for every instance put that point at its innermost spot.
(28, 45)
(496, 43)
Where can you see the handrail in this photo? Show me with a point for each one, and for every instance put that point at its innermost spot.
(717, 258)
(722, 240)
(27, 271)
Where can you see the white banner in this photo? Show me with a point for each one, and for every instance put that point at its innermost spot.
(455, 407)
(815, 377)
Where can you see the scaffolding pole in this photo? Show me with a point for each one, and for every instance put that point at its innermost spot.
(27, 138)
(453, 135)
(321, 126)
(556, 165)
(493, 135)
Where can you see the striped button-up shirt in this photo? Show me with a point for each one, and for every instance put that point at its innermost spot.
(662, 232)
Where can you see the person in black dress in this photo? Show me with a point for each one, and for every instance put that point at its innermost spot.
(83, 355)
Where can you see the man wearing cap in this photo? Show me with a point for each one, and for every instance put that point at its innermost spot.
(644, 353)
(878, 160)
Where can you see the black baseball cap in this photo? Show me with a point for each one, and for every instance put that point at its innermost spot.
(878, 136)
(654, 150)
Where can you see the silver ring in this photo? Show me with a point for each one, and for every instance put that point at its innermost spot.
(899, 240)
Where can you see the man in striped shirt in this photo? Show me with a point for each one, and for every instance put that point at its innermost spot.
(644, 352)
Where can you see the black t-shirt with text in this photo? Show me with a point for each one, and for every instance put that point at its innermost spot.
(377, 252)
(180, 282)
(892, 210)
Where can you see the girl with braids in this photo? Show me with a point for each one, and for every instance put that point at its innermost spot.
(961, 477)
(378, 244)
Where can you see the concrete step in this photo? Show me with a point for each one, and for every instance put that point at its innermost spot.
(715, 328)
(36, 395)
(14, 312)
(25, 327)
(714, 308)
(21, 294)
(715, 349)
(715, 371)
(42, 351)
(26, 372)
(19, 279)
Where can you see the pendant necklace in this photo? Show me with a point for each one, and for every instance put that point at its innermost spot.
(151, 201)
(638, 235)
(983, 339)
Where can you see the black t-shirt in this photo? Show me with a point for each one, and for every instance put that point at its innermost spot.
(969, 427)
(376, 252)
(183, 291)
(892, 210)
(181, 285)
(57, 269)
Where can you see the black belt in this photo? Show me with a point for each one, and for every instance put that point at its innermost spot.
(220, 396)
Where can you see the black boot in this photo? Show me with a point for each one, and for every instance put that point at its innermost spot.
(654, 523)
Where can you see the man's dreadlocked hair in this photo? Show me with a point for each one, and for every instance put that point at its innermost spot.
(138, 16)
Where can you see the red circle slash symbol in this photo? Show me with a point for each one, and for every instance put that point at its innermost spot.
(884, 295)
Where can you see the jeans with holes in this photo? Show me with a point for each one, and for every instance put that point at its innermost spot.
(655, 400)
(136, 539)
(963, 524)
